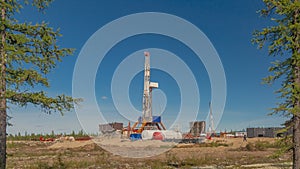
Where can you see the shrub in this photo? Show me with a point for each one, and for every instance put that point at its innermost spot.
(250, 147)
(261, 146)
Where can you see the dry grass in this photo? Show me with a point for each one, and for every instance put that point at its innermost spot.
(229, 152)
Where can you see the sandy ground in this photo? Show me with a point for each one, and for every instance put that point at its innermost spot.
(122, 147)
(105, 142)
(114, 153)
(69, 144)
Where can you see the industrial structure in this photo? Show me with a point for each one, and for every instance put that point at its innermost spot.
(147, 94)
(147, 121)
(110, 127)
(197, 128)
(149, 127)
(211, 127)
(264, 132)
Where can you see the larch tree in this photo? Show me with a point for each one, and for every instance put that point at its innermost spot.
(283, 41)
(28, 52)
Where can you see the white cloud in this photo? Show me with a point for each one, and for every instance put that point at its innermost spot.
(104, 97)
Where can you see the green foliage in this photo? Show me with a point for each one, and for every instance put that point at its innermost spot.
(31, 52)
(36, 137)
(283, 39)
(18, 137)
(250, 147)
(284, 145)
(263, 145)
(15, 145)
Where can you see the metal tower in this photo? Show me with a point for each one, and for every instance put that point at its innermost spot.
(147, 96)
(211, 127)
(147, 122)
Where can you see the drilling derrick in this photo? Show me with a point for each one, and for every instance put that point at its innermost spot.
(147, 121)
(147, 99)
(147, 95)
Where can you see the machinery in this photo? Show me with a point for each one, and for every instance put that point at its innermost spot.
(149, 127)
(147, 121)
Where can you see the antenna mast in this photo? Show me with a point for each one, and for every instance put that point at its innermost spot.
(211, 120)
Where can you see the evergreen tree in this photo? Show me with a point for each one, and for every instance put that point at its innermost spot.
(28, 52)
(283, 40)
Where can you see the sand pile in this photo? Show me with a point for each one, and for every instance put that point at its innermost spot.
(122, 147)
(134, 149)
(70, 144)
(128, 143)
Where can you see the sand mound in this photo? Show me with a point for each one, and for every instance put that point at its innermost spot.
(127, 143)
(70, 144)
(134, 149)
(112, 142)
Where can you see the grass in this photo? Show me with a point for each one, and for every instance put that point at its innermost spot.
(211, 144)
(13, 145)
(191, 161)
(39, 156)
(262, 146)
(62, 163)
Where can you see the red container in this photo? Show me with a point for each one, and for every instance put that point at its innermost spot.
(158, 136)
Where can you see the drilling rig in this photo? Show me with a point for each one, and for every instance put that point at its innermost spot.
(147, 121)
(147, 94)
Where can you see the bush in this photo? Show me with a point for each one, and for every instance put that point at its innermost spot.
(250, 147)
(261, 146)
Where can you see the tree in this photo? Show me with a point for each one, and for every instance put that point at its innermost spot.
(28, 52)
(283, 40)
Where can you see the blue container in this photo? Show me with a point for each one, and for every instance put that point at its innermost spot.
(156, 119)
(135, 136)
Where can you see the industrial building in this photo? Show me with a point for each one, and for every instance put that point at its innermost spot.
(197, 128)
(264, 132)
(110, 127)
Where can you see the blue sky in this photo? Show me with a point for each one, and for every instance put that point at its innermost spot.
(227, 24)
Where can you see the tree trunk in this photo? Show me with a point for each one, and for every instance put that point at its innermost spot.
(3, 115)
(296, 116)
(296, 142)
(296, 122)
